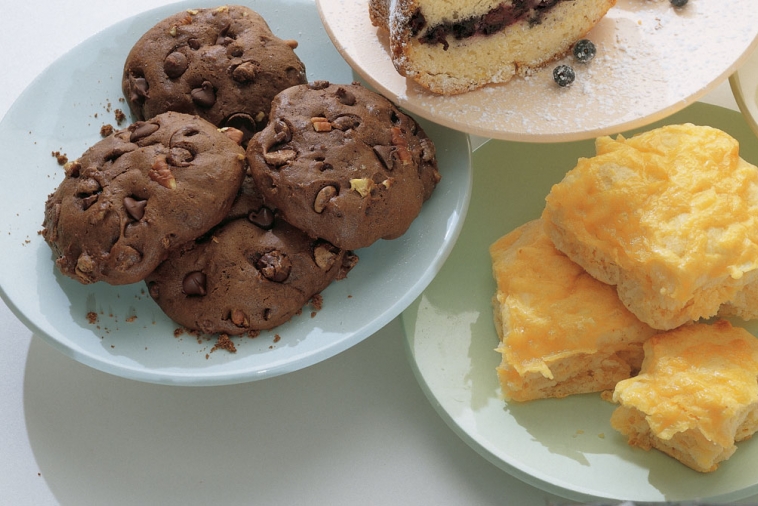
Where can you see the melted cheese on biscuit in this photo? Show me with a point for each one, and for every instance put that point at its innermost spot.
(552, 308)
(700, 377)
(677, 202)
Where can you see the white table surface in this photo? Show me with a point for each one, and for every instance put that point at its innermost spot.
(355, 429)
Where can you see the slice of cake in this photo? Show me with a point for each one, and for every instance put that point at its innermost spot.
(670, 217)
(461, 45)
(562, 332)
(695, 396)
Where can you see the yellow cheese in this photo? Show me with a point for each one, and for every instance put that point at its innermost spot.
(698, 381)
(552, 316)
(674, 208)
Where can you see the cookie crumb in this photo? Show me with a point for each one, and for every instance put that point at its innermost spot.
(317, 301)
(277, 338)
(106, 130)
(92, 317)
(253, 333)
(119, 115)
(224, 343)
(60, 157)
(178, 332)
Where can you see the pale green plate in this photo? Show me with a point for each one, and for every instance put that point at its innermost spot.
(566, 446)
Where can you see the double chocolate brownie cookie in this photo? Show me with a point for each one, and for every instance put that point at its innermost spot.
(139, 193)
(343, 163)
(223, 64)
(252, 273)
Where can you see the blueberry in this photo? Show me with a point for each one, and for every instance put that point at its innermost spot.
(563, 75)
(584, 50)
(678, 3)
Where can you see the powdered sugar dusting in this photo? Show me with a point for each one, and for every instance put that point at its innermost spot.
(652, 60)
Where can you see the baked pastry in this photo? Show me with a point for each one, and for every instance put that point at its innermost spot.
(461, 45)
(252, 273)
(669, 216)
(695, 396)
(343, 163)
(223, 64)
(137, 194)
(562, 332)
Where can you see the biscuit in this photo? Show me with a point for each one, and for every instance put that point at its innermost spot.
(223, 64)
(669, 216)
(343, 163)
(137, 194)
(246, 276)
(695, 396)
(562, 332)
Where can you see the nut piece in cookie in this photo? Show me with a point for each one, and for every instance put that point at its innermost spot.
(343, 163)
(223, 64)
(251, 273)
(137, 194)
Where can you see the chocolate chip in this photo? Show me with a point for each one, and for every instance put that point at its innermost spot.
(245, 72)
(384, 153)
(346, 122)
(194, 43)
(235, 51)
(175, 64)
(263, 217)
(141, 130)
(244, 123)
(194, 283)
(89, 200)
(274, 266)
(205, 96)
(282, 131)
(138, 88)
(135, 208)
(179, 156)
(345, 97)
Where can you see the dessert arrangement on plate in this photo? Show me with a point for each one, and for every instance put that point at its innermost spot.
(243, 189)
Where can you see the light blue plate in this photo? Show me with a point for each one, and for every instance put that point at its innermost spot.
(63, 110)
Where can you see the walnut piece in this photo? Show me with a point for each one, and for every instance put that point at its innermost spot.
(161, 173)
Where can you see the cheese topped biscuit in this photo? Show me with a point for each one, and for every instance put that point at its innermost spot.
(562, 332)
(695, 396)
(670, 216)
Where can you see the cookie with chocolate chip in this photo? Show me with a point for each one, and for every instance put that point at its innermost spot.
(139, 193)
(343, 163)
(223, 64)
(252, 273)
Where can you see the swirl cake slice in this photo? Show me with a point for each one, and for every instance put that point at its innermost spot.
(460, 45)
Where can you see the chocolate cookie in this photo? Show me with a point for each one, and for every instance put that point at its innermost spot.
(246, 275)
(343, 163)
(137, 194)
(223, 64)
